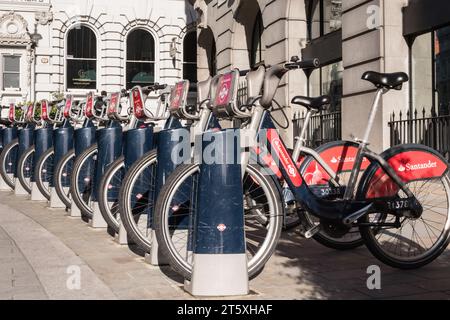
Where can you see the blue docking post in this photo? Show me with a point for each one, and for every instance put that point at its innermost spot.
(173, 149)
(63, 143)
(43, 140)
(84, 137)
(219, 261)
(109, 141)
(26, 140)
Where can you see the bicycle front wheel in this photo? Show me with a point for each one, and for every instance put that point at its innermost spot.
(43, 172)
(8, 160)
(82, 180)
(263, 216)
(136, 200)
(25, 169)
(108, 196)
(62, 177)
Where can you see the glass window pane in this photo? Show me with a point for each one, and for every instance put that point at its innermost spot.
(12, 63)
(314, 83)
(422, 72)
(11, 80)
(82, 43)
(81, 74)
(257, 46)
(332, 84)
(140, 74)
(190, 48)
(190, 72)
(140, 46)
(332, 13)
(442, 58)
(315, 19)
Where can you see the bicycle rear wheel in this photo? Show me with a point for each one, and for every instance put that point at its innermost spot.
(8, 160)
(43, 172)
(25, 168)
(61, 179)
(263, 216)
(82, 180)
(416, 242)
(108, 196)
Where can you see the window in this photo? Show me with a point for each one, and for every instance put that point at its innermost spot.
(325, 16)
(81, 58)
(328, 80)
(256, 52)
(140, 59)
(190, 57)
(11, 72)
(430, 70)
(212, 59)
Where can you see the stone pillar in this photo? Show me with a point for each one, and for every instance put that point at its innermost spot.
(372, 40)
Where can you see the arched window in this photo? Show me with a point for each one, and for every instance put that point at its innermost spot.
(190, 57)
(256, 52)
(81, 61)
(140, 58)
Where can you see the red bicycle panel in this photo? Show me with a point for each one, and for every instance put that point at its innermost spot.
(409, 166)
(178, 94)
(284, 157)
(12, 112)
(44, 110)
(339, 158)
(224, 92)
(89, 110)
(68, 106)
(113, 107)
(30, 110)
(138, 103)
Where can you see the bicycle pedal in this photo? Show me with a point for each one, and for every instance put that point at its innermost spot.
(311, 232)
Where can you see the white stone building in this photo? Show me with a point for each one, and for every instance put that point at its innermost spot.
(49, 46)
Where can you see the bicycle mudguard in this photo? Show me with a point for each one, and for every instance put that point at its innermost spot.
(411, 162)
(340, 156)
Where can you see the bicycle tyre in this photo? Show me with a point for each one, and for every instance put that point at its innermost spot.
(103, 203)
(57, 177)
(23, 167)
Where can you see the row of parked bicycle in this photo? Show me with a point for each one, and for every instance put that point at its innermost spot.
(110, 154)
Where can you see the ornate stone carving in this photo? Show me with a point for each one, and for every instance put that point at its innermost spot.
(14, 30)
(201, 8)
(43, 17)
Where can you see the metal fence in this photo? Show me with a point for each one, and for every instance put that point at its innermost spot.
(323, 127)
(432, 130)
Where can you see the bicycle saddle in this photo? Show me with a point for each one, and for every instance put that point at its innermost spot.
(386, 80)
(314, 104)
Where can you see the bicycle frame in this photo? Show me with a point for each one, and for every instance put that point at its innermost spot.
(344, 211)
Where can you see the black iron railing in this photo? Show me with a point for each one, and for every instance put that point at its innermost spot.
(323, 128)
(425, 128)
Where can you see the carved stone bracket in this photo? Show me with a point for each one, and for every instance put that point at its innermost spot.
(202, 13)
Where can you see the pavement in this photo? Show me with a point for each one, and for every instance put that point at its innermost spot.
(46, 255)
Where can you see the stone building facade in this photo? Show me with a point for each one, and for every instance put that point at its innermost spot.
(50, 46)
(349, 37)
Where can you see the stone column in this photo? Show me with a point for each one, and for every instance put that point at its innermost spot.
(372, 40)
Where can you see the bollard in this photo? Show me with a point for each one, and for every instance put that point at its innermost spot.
(63, 143)
(43, 140)
(26, 137)
(168, 142)
(137, 142)
(219, 261)
(109, 149)
(83, 139)
(8, 135)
